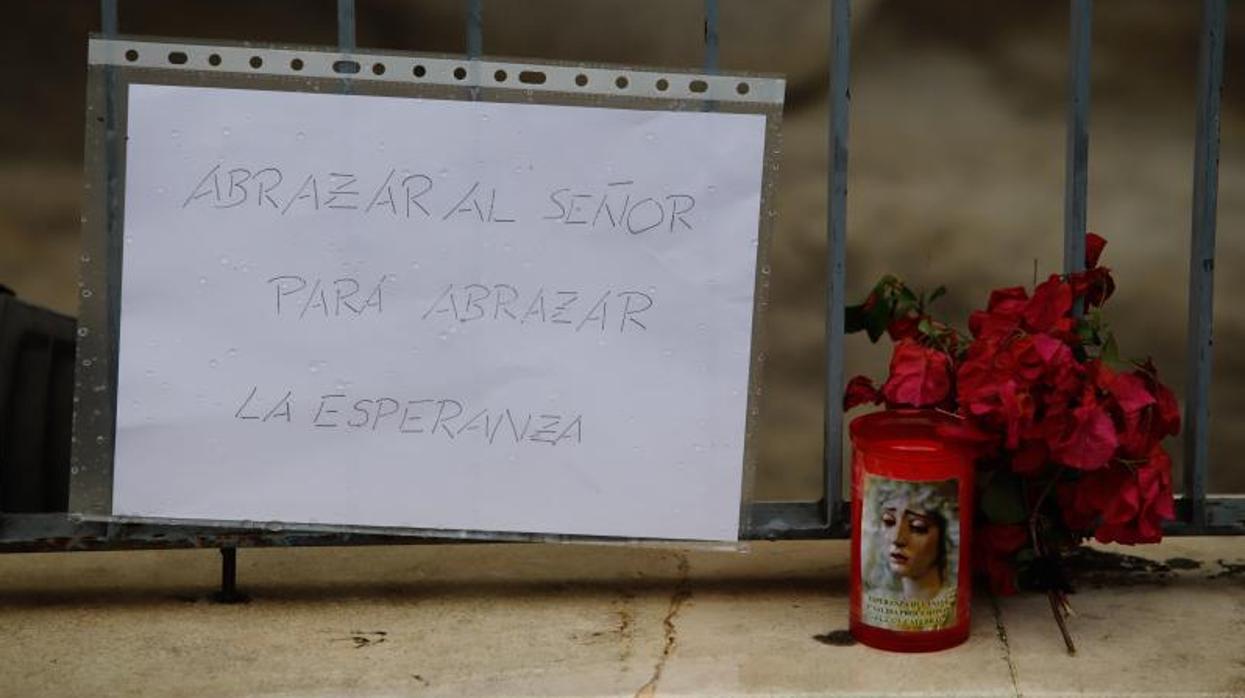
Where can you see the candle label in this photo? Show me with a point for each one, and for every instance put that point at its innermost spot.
(910, 553)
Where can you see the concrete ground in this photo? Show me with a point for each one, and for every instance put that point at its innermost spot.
(581, 620)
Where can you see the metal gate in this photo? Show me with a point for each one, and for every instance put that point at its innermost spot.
(1198, 513)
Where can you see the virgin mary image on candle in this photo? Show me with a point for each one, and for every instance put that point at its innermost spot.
(910, 553)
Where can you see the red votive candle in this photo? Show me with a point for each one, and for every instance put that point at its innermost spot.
(911, 532)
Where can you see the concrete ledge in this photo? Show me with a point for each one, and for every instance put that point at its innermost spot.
(592, 620)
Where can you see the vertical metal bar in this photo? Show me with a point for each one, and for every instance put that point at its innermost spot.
(840, 100)
(229, 577)
(109, 23)
(711, 47)
(1077, 174)
(346, 39)
(475, 43)
(345, 26)
(475, 28)
(711, 36)
(108, 17)
(228, 572)
(1202, 258)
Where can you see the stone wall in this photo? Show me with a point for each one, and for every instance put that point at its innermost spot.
(957, 155)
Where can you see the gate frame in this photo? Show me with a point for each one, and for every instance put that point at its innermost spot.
(829, 517)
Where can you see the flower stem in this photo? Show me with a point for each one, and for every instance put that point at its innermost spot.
(1054, 595)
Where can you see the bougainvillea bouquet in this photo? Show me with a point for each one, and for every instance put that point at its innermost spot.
(1070, 435)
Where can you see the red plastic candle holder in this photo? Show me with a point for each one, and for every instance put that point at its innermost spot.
(911, 532)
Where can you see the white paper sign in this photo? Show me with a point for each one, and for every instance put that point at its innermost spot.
(360, 310)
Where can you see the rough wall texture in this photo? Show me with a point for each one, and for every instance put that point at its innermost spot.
(957, 155)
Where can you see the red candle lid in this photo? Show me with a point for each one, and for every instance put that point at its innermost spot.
(912, 433)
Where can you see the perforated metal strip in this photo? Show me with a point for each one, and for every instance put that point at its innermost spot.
(410, 68)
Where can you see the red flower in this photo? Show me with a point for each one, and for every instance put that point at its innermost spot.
(1100, 375)
(1050, 307)
(994, 546)
(1093, 249)
(1140, 503)
(1034, 392)
(1022, 360)
(1076, 507)
(1002, 314)
(1167, 410)
(1008, 301)
(860, 390)
(1136, 438)
(1148, 412)
(1003, 538)
(1131, 393)
(1030, 458)
(1084, 439)
(1063, 375)
(920, 376)
(1126, 504)
(989, 326)
(978, 389)
(1094, 284)
(1016, 411)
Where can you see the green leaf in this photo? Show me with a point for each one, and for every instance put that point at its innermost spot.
(907, 299)
(878, 317)
(938, 293)
(1002, 501)
(1084, 332)
(1111, 353)
(855, 319)
(1095, 320)
(887, 280)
